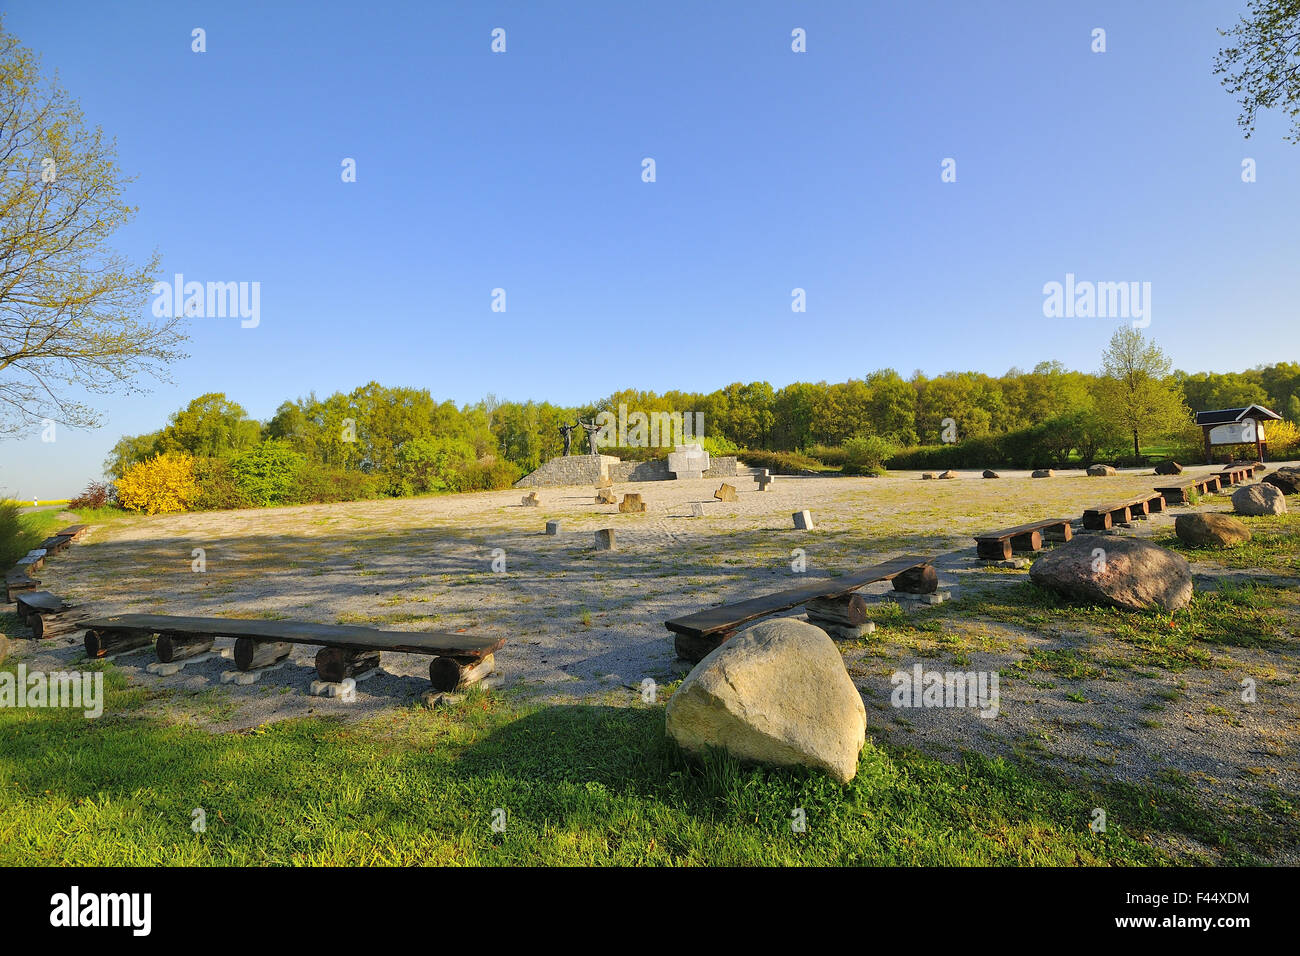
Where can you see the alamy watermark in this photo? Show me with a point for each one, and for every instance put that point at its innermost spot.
(1098, 300)
(212, 300)
(648, 429)
(78, 690)
(922, 688)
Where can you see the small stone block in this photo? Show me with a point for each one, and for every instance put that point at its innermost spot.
(725, 493)
(553, 527)
(530, 500)
(803, 520)
(605, 539)
(697, 510)
(250, 677)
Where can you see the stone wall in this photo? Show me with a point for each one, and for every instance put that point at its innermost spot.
(589, 469)
(656, 470)
(570, 470)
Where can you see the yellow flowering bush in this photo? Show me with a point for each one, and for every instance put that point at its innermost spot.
(161, 485)
(1283, 440)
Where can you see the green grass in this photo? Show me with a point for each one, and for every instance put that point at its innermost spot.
(578, 784)
(32, 528)
(1274, 545)
(1234, 615)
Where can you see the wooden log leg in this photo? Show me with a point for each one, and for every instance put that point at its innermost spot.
(1157, 505)
(695, 648)
(103, 643)
(335, 663)
(52, 625)
(999, 550)
(921, 580)
(178, 647)
(1033, 541)
(450, 673)
(849, 611)
(1097, 522)
(251, 653)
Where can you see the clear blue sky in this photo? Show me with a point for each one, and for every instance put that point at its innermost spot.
(775, 170)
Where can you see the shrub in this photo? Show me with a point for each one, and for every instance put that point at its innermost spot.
(97, 494)
(780, 462)
(11, 545)
(218, 490)
(866, 455)
(1283, 440)
(433, 463)
(265, 475)
(161, 485)
(316, 484)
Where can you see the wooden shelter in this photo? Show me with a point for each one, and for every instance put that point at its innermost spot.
(1226, 427)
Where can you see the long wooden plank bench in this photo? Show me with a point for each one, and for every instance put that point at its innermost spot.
(1178, 493)
(56, 543)
(699, 633)
(458, 659)
(1104, 517)
(999, 545)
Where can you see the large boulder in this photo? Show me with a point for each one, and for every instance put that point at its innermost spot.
(1259, 499)
(948, 474)
(990, 473)
(1203, 530)
(1042, 473)
(776, 693)
(1126, 572)
(1169, 468)
(1100, 471)
(1287, 479)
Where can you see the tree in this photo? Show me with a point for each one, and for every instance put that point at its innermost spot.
(70, 306)
(1138, 393)
(1262, 67)
(211, 426)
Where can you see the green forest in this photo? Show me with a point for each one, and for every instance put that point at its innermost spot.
(380, 440)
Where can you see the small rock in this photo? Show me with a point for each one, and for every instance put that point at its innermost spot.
(929, 475)
(606, 497)
(1101, 471)
(948, 474)
(803, 520)
(1169, 468)
(1210, 530)
(605, 539)
(990, 473)
(725, 493)
(553, 527)
(631, 504)
(1043, 473)
(530, 500)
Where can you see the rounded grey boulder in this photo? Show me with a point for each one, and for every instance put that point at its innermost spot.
(776, 693)
(1259, 499)
(1127, 573)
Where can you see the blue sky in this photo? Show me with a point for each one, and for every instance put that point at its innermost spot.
(775, 170)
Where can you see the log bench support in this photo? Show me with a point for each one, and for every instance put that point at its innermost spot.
(179, 647)
(448, 673)
(333, 664)
(843, 617)
(1026, 538)
(251, 654)
(101, 643)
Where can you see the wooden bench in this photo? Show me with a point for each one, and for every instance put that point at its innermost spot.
(1235, 475)
(1104, 517)
(17, 581)
(1177, 494)
(458, 659)
(998, 545)
(699, 633)
(74, 531)
(56, 543)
